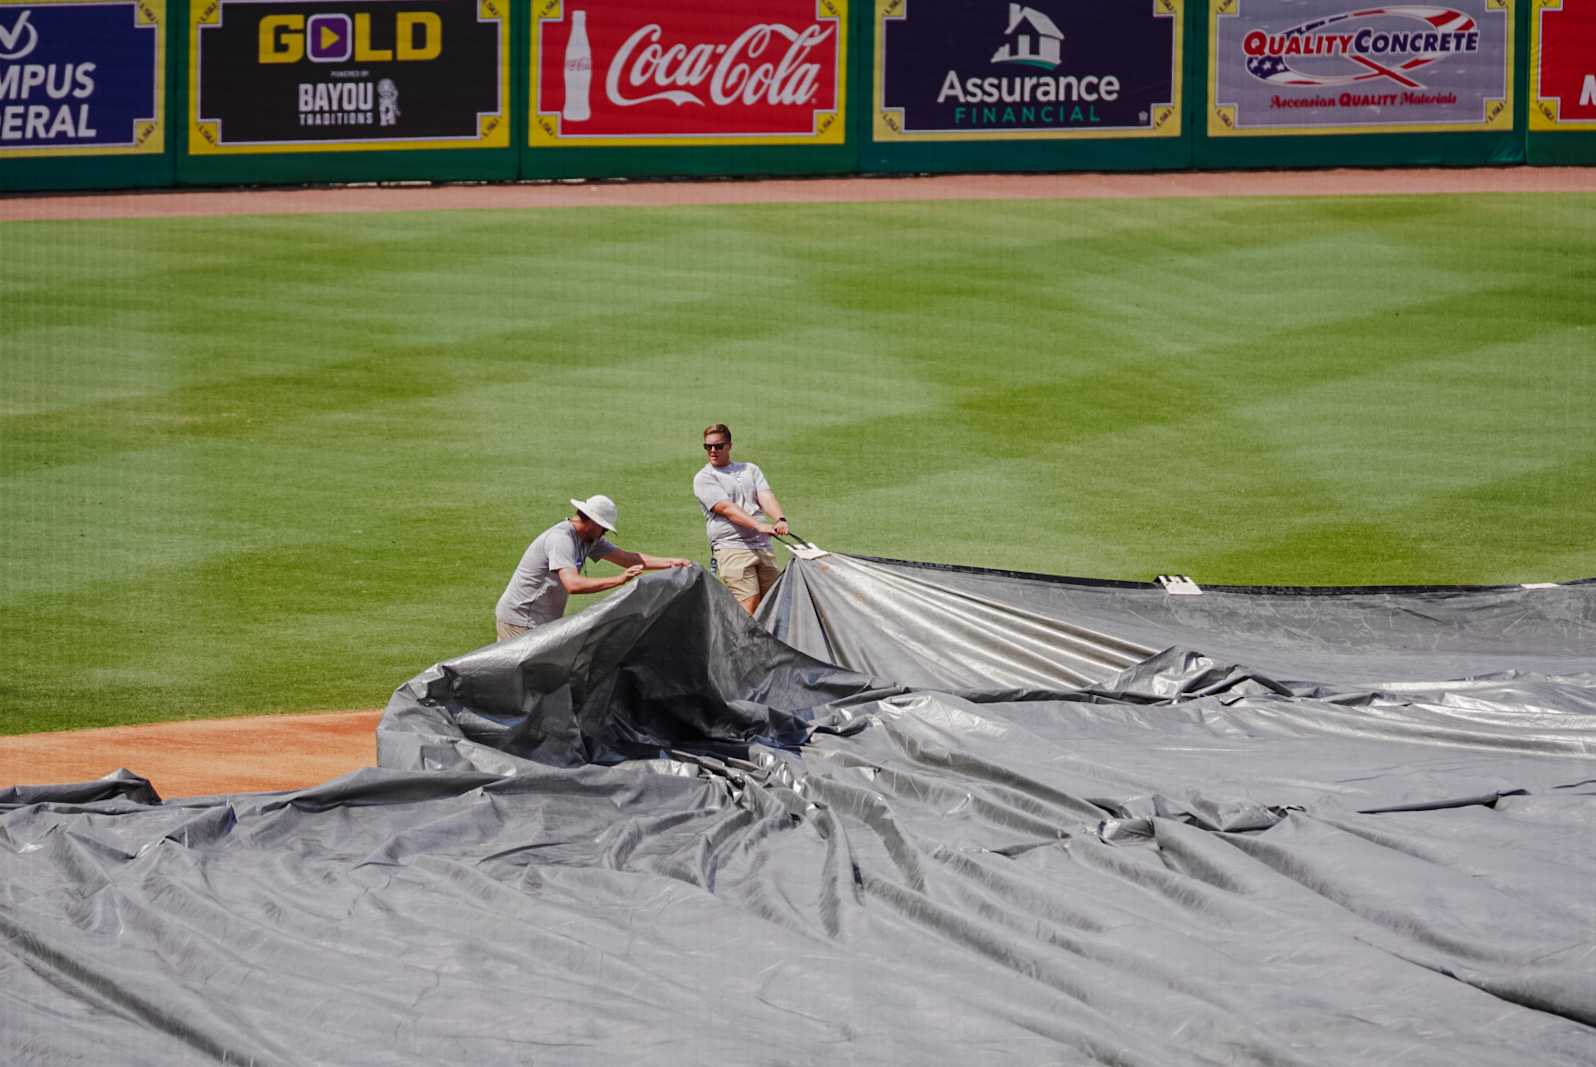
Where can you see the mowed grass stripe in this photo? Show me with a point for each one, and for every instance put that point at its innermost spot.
(279, 463)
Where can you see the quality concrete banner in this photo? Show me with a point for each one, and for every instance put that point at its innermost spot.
(716, 72)
(1328, 66)
(1563, 65)
(82, 78)
(340, 75)
(964, 70)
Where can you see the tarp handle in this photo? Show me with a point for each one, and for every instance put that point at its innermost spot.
(800, 546)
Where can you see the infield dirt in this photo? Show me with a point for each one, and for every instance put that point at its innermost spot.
(254, 755)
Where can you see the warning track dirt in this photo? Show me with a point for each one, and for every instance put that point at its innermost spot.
(366, 199)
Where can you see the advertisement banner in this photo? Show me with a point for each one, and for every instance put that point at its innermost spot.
(82, 78)
(348, 75)
(958, 70)
(1563, 65)
(637, 72)
(1327, 66)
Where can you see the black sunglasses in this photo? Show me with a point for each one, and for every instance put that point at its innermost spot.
(710, 446)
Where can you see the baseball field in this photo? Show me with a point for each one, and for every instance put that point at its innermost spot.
(264, 463)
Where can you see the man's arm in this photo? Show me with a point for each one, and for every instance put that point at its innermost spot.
(772, 506)
(622, 558)
(738, 517)
(576, 583)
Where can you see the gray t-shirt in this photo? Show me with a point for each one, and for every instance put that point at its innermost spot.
(535, 595)
(740, 483)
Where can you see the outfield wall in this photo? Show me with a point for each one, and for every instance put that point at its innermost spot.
(149, 93)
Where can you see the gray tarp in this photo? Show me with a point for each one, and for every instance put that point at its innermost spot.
(1308, 829)
(955, 626)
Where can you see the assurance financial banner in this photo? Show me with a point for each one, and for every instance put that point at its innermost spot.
(712, 72)
(1327, 66)
(348, 75)
(955, 70)
(82, 78)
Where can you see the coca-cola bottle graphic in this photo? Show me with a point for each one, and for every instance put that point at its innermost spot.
(578, 70)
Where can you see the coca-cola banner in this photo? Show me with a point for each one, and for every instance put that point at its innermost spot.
(1330, 66)
(82, 78)
(641, 72)
(1563, 65)
(954, 70)
(348, 75)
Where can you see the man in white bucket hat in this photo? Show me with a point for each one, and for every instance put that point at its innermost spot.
(551, 567)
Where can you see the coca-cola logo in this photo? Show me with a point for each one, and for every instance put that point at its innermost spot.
(636, 71)
(747, 71)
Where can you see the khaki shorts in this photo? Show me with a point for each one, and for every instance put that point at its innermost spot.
(507, 630)
(745, 572)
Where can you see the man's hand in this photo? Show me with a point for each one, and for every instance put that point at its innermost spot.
(678, 563)
(781, 528)
(631, 572)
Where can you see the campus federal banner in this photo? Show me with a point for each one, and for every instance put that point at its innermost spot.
(633, 73)
(348, 75)
(82, 78)
(965, 70)
(1563, 65)
(1329, 66)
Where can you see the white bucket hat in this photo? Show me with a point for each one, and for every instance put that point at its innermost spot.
(599, 508)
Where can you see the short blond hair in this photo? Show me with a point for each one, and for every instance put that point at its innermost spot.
(719, 427)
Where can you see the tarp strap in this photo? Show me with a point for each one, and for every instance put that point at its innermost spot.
(801, 547)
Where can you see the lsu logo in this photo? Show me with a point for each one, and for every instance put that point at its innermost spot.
(337, 38)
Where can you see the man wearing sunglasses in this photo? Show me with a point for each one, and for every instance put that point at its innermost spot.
(732, 496)
(551, 568)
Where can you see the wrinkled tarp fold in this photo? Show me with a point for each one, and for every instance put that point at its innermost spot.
(1282, 828)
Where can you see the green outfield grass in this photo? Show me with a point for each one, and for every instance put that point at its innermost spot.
(261, 464)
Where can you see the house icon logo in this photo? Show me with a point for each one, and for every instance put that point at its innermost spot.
(1033, 39)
